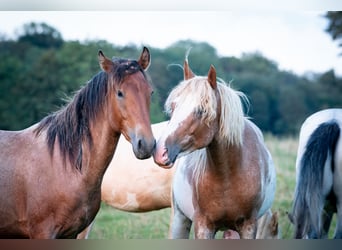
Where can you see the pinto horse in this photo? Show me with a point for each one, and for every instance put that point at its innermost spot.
(152, 187)
(225, 179)
(318, 192)
(51, 172)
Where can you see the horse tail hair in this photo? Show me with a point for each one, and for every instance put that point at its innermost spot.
(309, 198)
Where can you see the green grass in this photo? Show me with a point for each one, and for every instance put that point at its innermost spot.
(114, 224)
(284, 153)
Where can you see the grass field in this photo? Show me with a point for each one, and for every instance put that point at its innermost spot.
(114, 224)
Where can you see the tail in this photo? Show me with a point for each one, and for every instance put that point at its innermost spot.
(309, 198)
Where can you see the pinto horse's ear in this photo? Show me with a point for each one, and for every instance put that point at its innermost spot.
(105, 63)
(212, 77)
(188, 74)
(145, 59)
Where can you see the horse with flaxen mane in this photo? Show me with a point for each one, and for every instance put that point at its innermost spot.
(51, 172)
(152, 187)
(225, 179)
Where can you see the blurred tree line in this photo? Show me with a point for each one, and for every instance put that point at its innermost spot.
(39, 70)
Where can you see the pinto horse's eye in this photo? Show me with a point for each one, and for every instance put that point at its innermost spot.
(120, 94)
(199, 112)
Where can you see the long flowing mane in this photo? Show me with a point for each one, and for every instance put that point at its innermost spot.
(197, 93)
(71, 124)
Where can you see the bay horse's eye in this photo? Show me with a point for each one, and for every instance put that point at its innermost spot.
(120, 94)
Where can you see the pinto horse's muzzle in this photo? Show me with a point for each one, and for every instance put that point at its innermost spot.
(165, 156)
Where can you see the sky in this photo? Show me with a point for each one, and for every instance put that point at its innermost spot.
(295, 39)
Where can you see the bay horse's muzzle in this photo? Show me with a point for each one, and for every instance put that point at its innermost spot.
(143, 147)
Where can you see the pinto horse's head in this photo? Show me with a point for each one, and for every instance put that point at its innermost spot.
(193, 107)
(129, 105)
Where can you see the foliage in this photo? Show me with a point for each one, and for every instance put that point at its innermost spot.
(41, 35)
(39, 70)
(335, 25)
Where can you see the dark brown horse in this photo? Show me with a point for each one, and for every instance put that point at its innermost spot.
(51, 172)
(225, 179)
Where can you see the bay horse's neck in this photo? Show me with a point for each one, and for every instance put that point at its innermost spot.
(97, 157)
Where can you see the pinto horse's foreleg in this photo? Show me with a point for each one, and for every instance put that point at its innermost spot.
(203, 228)
(85, 233)
(247, 229)
(180, 225)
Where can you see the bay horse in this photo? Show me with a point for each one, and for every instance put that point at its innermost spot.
(318, 191)
(225, 177)
(51, 172)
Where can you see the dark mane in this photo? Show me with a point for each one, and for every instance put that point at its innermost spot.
(71, 124)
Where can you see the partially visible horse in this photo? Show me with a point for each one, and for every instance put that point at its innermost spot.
(225, 178)
(51, 172)
(318, 192)
(134, 185)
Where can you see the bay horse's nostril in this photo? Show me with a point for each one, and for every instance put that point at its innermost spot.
(143, 148)
(139, 145)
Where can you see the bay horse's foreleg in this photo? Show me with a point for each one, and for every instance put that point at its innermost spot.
(180, 226)
(85, 233)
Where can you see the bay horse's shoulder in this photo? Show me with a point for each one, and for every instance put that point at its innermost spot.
(18, 137)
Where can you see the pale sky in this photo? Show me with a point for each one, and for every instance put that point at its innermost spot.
(295, 39)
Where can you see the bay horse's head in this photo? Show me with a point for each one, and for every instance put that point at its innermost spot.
(129, 105)
(193, 107)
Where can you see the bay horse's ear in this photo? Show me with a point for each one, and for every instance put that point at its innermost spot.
(105, 63)
(188, 74)
(212, 77)
(145, 59)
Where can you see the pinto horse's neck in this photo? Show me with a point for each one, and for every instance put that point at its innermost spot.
(225, 158)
